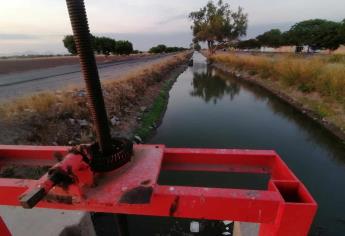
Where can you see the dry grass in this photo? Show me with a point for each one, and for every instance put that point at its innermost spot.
(317, 82)
(324, 75)
(48, 115)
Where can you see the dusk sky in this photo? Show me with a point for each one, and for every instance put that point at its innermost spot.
(38, 26)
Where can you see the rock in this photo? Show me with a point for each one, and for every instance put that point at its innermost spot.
(83, 123)
(81, 93)
(29, 110)
(115, 120)
(137, 139)
(71, 121)
(72, 143)
(143, 108)
(227, 222)
(194, 227)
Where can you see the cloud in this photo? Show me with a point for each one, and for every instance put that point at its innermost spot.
(256, 29)
(18, 37)
(144, 41)
(174, 18)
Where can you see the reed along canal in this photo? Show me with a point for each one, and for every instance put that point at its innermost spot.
(210, 109)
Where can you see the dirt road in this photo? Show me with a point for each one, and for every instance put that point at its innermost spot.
(16, 85)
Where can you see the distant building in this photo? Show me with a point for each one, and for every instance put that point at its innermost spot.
(294, 49)
(340, 50)
(290, 49)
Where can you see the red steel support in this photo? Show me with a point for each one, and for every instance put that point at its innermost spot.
(3, 229)
(284, 208)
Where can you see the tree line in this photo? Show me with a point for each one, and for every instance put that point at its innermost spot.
(316, 34)
(101, 45)
(220, 27)
(161, 48)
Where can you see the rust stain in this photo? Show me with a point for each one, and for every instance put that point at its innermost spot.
(174, 206)
(145, 182)
(253, 194)
(137, 195)
(58, 156)
(59, 198)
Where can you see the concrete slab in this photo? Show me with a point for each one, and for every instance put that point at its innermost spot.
(43, 222)
(246, 229)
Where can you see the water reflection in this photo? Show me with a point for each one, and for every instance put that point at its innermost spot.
(210, 87)
(315, 132)
(209, 109)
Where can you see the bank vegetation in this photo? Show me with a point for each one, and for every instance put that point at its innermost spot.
(62, 117)
(316, 82)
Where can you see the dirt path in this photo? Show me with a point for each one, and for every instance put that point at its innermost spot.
(8, 66)
(26, 83)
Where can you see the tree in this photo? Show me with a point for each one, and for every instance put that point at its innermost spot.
(272, 38)
(104, 45)
(197, 47)
(217, 24)
(123, 47)
(329, 36)
(342, 30)
(316, 34)
(161, 48)
(68, 42)
(158, 49)
(248, 44)
(101, 45)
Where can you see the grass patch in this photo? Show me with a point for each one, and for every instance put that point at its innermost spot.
(321, 109)
(153, 116)
(337, 58)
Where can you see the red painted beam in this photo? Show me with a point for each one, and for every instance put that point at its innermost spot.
(285, 208)
(3, 228)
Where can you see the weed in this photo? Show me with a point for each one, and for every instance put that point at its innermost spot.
(150, 118)
(307, 74)
(337, 58)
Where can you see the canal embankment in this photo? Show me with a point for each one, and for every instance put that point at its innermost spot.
(211, 109)
(134, 105)
(313, 85)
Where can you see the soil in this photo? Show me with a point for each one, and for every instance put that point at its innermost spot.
(23, 171)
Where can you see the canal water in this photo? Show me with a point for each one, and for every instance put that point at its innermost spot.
(210, 109)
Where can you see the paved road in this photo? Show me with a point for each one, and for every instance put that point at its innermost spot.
(25, 83)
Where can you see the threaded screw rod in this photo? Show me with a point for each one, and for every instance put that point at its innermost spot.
(80, 27)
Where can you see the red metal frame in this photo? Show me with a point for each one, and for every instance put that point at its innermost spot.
(285, 208)
(3, 228)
